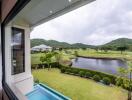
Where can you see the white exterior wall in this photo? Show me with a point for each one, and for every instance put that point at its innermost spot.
(23, 81)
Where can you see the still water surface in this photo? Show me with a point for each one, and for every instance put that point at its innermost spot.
(102, 65)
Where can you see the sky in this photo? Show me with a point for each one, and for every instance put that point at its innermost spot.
(96, 23)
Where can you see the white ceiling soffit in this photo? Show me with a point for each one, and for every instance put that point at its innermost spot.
(40, 11)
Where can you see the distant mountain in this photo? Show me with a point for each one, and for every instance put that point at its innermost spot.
(35, 42)
(53, 43)
(119, 42)
(81, 45)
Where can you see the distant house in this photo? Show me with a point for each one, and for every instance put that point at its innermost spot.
(41, 48)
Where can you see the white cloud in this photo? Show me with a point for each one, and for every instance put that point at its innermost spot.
(95, 23)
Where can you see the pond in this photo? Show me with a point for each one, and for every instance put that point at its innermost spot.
(103, 65)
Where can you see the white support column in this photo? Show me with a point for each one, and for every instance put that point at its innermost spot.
(8, 55)
(23, 81)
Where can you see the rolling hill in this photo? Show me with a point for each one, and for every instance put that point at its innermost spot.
(120, 42)
(53, 43)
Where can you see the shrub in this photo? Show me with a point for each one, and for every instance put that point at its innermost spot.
(75, 71)
(63, 70)
(36, 80)
(96, 78)
(88, 74)
(119, 81)
(68, 70)
(33, 66)
(82, 73)
(106, 80)
(124, 83)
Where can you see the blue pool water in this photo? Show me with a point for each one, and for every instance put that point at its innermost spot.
(43, 92)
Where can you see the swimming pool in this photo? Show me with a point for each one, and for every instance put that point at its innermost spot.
(43, 92)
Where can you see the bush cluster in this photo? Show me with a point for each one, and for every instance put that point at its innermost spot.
(124, 83)
(97, 76)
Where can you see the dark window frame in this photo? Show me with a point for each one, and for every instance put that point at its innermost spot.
(23, 41)
(20, 4)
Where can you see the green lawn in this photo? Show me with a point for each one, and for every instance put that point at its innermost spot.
(78, 88)
(35, 58)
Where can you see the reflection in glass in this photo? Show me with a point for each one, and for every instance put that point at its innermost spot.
(17, 50)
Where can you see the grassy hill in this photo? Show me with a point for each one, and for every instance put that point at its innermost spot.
(81, 45)
(53, 43)
(119, 43)
(35, 42)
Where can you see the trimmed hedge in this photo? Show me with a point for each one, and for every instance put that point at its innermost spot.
(96, 78)
(106, 81)
(87, 73)
(82, 73)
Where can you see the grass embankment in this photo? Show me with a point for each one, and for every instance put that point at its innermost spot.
(110, 54)
(78, 88)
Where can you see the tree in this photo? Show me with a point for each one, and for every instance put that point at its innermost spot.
(53, 49)
(58, 57)
(122, 72)
(76, 53)
(84, 48)
(60, 49)
(47, 59)
(122, 48)
(123, 80)
(42, 59)
(97, 49)
(105, 48)
(130, 81)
